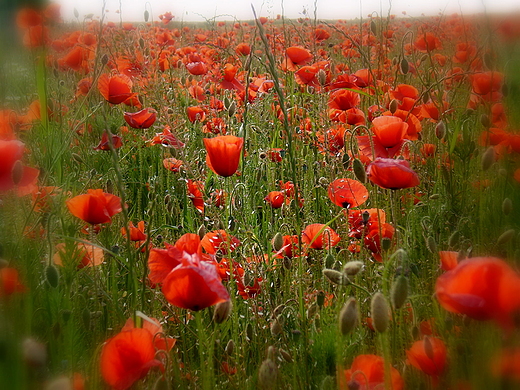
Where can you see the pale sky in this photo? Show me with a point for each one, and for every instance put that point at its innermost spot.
(199, 10)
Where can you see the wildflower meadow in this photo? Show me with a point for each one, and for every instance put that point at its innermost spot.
(264, 204)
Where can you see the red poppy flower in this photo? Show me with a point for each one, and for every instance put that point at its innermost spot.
(219, 240)
(347, 193)
(299, 55)
(167, 139)
(196, 113)
(389, 130)
(243, 49)
(311, 236)
(275, 199)
(343, 99)
(368, 373)
(195, 189)
(392, 174)
(115, 89)
(127, 357)
(427, 41)
(95, 207)
(223, 154)
(374, 236)
(194, 285)
(141, 119)
(172, 164)
(136, 232)
(449, 259)
(483, 288)
(10, 282)
(153, 326)
(117, 142)
(430, 359)
(358, 222)
(12, 173)
(197, 68)
(83, 255)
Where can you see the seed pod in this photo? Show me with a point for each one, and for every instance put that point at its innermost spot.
(507, 206)
(336, 277)
(488, 158)
(267, 374)
(359, 170)
(405, 67)
(399, 292)
(440, 130)
(380, 312)
(506, 237)
(230, 347)
(348, 316)
(222, 311)
(393, 106)
(352, 268)
(52, 276)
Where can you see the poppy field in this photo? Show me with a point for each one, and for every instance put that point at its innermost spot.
(262, 204)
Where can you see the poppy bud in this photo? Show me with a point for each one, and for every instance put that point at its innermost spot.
(425, 97)
(286, 355)
(17, 172)
(276, 326)
(348, 316)
(440, 130)
(323, 182)
(506, 237)
(76, 13)
(453, 240)
(52, 276)
(379, 309)
(277, 242)
(352, 268)
(484, 120)
(104, 59)
(329, 260)
(232, 109)
(359, 170)
(393, 106)
(336, 277)
(222, 311)
(34, 353)
(373, 27)
(399, 292)
(267, 374)
(249, 332)
(404, 66)
(85, 315)
(386, 243)
(434, 197)
(507, 206)
(146, 15)
(488, 158)
(76, 157)
(230, 347)
(431, 244)
(345, 161)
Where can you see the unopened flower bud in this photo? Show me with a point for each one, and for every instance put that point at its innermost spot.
(507, 206)
(277, 242)
(222, 311)
(52, 276)
(34, 353)
(17, 172)
(352, 268)
(405, 67)
(488, 158)
(393, 106)
(484, 120)
(322, 77)
(348, 316)
(506, 237)
(380, 312)
(276, 326)
(399, 292)
(440, 130)
(230, 347)
(336, 277)
(359, 170)
(431, 244)
(202, 231)
(286, 355)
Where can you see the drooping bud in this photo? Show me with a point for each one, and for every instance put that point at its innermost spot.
(312, 310)
(348, 316)
(322, 77)
(454, 238)
(336, 277)
(17, 172)
(431, 244)
(359, 170)
(232, 109)
(76, 13)
(277, 242)
(393, 106)
(373, 27)
(380, 309)
(267, 374)
(329, 260)
(230, 347)
(484, 120)
(506, 237)
(352, 268)
(507, 206)
(276, 326)
(285, 355)
(405, 67)
(222, 311)
(345, 161)
(440, 130)
(146, 15)
(52, 276)
(104, 59)
(202, 231)
(399, 292)
(488, 158)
